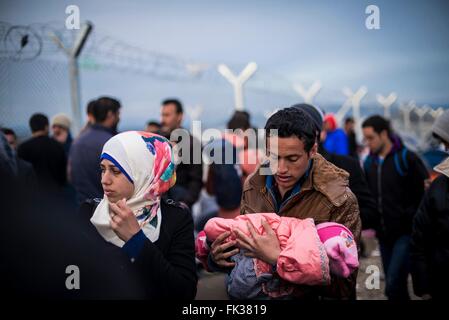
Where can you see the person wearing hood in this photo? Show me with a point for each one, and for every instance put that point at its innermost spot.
(156, 235)
(396, 177)
(429, 245)
(335, 139)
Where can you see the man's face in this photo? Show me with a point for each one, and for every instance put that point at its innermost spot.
(288, 160)
(116, 118)
(59, 133)
(90, 118)
(112, 119)
(374, 140)
(349, 126)
(170, 119)
(11, 140)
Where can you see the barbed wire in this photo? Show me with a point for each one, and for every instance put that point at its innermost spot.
(29, 42)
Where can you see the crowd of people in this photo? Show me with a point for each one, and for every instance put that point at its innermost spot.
(119, 205)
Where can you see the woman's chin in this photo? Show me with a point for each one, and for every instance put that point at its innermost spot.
(111, 199)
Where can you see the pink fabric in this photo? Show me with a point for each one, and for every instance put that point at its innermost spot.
(303, 259)
(201, 248)
(340, 248)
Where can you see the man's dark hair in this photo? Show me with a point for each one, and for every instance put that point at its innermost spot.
(239, 120)
(293, 122)
(177, 104)
(378, 123)
(102, 106)
(9, 131)
(349, 119)
(246, 114)
(38, 122)
(90, 106)
(153, 123)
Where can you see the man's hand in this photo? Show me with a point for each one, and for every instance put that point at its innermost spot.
(217, 250)
(123, 221)
(265, 248)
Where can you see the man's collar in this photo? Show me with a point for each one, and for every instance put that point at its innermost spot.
(270, 182)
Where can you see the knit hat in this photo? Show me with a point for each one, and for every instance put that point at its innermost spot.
(441, 126)
(314, 112)
(61, 120)
(340, 248)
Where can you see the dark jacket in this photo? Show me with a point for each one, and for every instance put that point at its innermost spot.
(397, 184)
(189, 177)
(430, 242)
(352, 145)
(48, 159)
(166, 267)
(359, 186)
(84, 162)
(42, 239)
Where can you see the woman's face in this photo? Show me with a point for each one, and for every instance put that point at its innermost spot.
(115, 184)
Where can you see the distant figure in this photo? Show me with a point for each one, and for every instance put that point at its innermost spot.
(336, 140)
(60, 125)
(84, 171)
(90, 115)
(248, 158)
(22, 169)
(153, 126)
(189, 176)
(45, 154)
(352, 139)
(11, 137)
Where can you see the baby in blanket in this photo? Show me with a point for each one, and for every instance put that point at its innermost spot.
(309, 254)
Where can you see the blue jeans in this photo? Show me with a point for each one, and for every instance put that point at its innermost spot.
(396, 263)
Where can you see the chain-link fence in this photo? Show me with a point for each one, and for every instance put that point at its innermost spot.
(34, 77)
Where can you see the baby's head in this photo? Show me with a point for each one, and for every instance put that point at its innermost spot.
(340, 248)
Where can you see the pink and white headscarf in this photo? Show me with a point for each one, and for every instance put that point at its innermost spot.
(146, 159)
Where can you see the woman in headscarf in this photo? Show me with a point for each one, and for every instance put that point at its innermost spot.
(156, 235)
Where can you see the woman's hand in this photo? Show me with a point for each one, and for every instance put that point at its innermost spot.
(265, 248)
(218, 254)
(123, 220)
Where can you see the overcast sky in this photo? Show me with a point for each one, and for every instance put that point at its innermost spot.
(300, 40)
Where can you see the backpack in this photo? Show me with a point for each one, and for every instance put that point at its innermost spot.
(400, 162)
